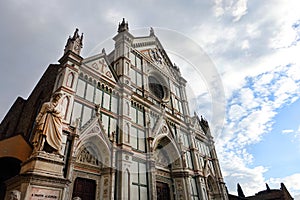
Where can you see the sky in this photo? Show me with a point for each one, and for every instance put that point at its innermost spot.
(246, 53)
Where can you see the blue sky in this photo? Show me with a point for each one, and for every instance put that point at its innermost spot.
(247, 82)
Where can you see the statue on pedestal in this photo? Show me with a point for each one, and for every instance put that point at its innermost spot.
(48, 135)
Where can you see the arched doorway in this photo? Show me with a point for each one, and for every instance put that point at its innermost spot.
(167, 158)
(84, 188)
(93, 155)
(163, 191)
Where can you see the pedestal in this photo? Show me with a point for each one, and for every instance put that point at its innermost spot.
(41, 178)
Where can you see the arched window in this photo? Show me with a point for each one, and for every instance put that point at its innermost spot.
(211, 184)
(70, 80)
(65, 105)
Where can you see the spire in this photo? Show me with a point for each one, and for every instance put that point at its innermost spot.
(240, 191)
(74, 43)
(123, 26)
(267, 186)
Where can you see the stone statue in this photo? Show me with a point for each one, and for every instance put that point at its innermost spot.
(15, 195)
(48, 135)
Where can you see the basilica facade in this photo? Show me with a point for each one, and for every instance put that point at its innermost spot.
(127, 130)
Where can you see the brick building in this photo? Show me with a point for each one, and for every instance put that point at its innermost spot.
(268, 194)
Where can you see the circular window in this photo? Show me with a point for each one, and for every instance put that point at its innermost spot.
(158, 87)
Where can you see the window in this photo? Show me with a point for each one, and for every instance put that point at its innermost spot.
(136, 77)
(138, 189)
(87, 115)
(65, 106)
(201, 162)
(155, 87)
(136, 61)
(153, 119)
(89, 92)
(132, 58)
(177, 91)
(137, 115)
(184, 139)
(80, 88)
(211, 165)
(105, 122)
(189, 161)
(109, 124)
(194, 191)
(98, 96)
(137, 138)
(84, 113)
(114, 104)
(203, 148)
(177, 105)
(70, 80)
(77, 108)
(106, 101)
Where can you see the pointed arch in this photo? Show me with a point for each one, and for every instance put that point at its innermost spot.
(127, 184)
(165, 145)
(212, 186)
(94, 139)
(70, 80)
(65, 104)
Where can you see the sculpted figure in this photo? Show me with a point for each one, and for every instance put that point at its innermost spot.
(48, 136)
(15, 195)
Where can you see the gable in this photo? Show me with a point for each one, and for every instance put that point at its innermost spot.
(158, 61)
(196, 124)
(99, 65)
(153, 51)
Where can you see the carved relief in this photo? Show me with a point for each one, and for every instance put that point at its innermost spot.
(179, 188)
(86, 157)
(161, 158)
(106, 183)
(156, 56)
(101, 67)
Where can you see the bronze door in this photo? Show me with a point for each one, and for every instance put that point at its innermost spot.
(84, 188)
(163, 191)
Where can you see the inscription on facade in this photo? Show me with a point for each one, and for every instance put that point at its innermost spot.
(44, 194)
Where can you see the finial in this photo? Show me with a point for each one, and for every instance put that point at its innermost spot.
(176, 67)
(123, 26)
(267, 186)
(81, 38)
(240, 191)
(103, 50)
(76, 33)
(74, 43)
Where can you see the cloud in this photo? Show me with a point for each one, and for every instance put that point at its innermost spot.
(287, 131)
(234, 8)
(250, 113)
